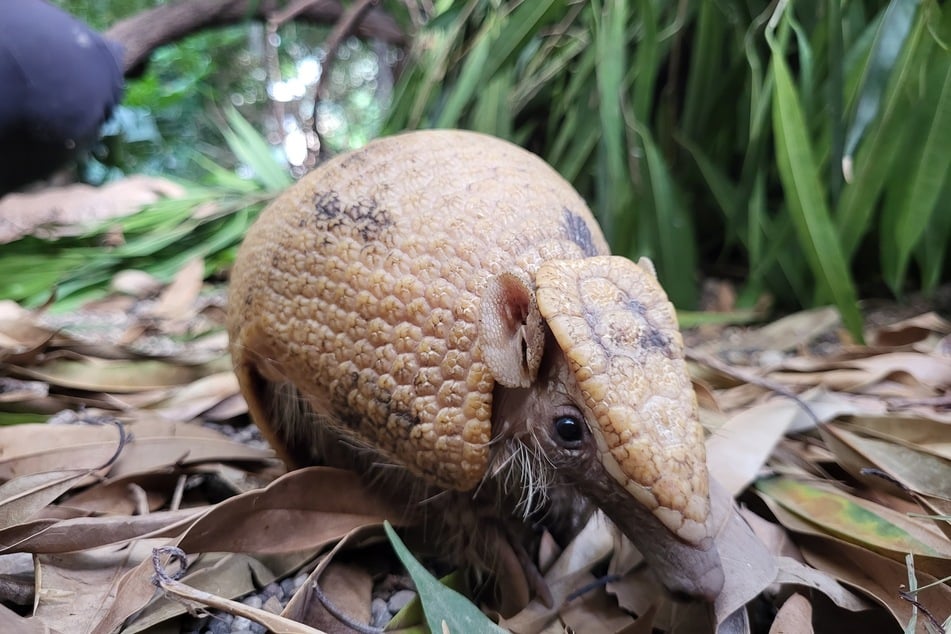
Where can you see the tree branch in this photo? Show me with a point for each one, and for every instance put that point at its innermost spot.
(143, 32)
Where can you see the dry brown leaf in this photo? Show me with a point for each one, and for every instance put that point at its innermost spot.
(144, 454)
(25, 455)
(915, 330)
(737, 451)
(788, 333)
(74, 588)
(177, 301)
(347, 586)
(129, 593)
(794, 617)
(192, 400)
(748, 566)
(50, 536)
(569, 572)
(10, 621)
(138, 284)
(931, 373)
(22, 498)
(795, 572)
(915, 469)
(929, 434)
(595, 612)
(307, 508)
(153, 444)
(116, 497)
(112, 375)
(21, 339)
(880, 577)
(927, 537)
(772, 535)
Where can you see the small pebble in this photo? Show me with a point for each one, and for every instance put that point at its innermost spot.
(273, 589)
(253, 601)
(288, 587)
(220, 624)
(273, 605)
(379, 613)
(240, 623)
(399, 599)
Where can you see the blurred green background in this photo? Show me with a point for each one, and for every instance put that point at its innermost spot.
(798, 150)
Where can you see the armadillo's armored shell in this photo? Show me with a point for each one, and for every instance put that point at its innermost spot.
(361, 286)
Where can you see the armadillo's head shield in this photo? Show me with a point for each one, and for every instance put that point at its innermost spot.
(618, 332)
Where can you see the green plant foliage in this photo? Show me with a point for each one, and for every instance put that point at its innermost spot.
(784, 163)
(445, 609)
(159, 239)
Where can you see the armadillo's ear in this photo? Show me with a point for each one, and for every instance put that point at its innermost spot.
(512, 334)
(648, 265)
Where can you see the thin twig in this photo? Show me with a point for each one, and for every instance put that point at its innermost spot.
(908, 596)
(340, 615)
(179, 493)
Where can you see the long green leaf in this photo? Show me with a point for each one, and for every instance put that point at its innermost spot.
(610, 43)
(890, 37)
(920, 194)
(875, 157)
(799, 173)
(446, 610)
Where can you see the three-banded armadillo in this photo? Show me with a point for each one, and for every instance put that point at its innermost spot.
(442, 306)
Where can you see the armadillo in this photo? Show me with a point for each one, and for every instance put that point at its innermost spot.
(440, 311)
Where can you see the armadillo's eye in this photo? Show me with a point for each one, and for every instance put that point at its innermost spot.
(569, 429)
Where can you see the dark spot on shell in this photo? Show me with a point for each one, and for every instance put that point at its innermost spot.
(364, 219)
(405, 419)
(577, 230)
(657, 340)
(653, 338)
(636, 307)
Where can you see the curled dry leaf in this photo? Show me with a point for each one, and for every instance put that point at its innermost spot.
(85, 533)
(178, 300)
(794, 616)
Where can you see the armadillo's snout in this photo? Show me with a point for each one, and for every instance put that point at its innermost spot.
(688, 571)
(690, 574)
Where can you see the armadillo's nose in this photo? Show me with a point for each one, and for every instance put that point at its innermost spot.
(691, 574)
(689, 571)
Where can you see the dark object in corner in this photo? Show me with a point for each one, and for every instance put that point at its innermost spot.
(59, 82)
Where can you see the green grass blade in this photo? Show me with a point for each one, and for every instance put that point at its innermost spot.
(676, 261)
(472, 77)
(646, 62)
(919, 194)
(613, 180)
(253, 150)
(934, 252)
(799, 173)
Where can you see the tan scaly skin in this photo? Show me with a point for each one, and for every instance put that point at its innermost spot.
(443, 306)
